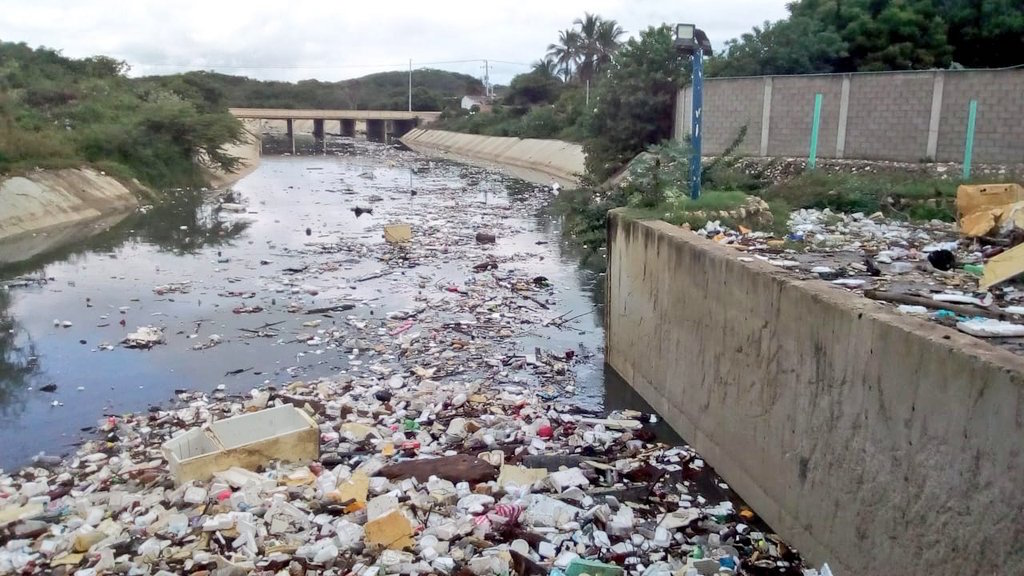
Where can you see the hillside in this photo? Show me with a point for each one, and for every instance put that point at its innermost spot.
(432, 90)
(59, 112)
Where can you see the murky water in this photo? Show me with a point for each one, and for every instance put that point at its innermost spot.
(237, 260)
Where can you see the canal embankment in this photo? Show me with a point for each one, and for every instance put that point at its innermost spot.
(247, 149)
(533, 160)
(52, 198)
(44, 209)
(881, 443)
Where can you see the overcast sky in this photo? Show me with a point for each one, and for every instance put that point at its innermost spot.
(337, 39)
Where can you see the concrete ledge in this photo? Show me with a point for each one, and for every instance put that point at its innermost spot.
(535, 160)
(880, 443)
(51, 198)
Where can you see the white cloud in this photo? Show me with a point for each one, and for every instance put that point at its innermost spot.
(331, 40)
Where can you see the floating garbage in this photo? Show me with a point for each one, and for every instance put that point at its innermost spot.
(330, 477)
(444, 440)
(144, 337)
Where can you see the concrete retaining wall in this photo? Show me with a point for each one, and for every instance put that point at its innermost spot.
(901, 116)
(52, 198)
(535, 160)
(880, 443)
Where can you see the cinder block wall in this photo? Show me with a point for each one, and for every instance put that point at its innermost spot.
(880, 443)
(901, 116)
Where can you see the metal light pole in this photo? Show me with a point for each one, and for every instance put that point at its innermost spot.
(410, 84)
(695, 134)
(692, 41)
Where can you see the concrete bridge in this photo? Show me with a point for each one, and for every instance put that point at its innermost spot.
(379, 123)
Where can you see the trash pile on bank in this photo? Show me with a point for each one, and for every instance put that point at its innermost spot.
(959, 275)
(414, 476)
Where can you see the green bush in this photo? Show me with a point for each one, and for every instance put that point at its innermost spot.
(900, 195)
(634, 103)
(56, 112)
(566, 119)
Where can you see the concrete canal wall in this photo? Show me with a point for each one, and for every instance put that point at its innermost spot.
(51, 198)
(248, 150)
(539, 161)
(879, 443)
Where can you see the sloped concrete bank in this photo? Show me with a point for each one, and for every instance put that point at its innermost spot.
(538, 161)
(50, 208)
(879, 443)
(54, 198)
(248, 150)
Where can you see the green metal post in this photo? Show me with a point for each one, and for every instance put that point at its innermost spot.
(812, 160)
(972, 115)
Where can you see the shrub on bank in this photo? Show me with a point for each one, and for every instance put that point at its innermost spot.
(58, 112)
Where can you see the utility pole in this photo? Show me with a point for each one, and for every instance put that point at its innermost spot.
(410, 84)
(487, 79)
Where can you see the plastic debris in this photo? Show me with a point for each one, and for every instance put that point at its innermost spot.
(447, 441)
(144, 337)
(990, 328)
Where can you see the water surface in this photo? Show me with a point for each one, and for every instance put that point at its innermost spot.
(133, 271)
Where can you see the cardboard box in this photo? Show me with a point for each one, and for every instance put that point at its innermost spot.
(971, 198)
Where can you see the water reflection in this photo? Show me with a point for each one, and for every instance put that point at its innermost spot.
(18, 360)
(183, 223)
(186, 223)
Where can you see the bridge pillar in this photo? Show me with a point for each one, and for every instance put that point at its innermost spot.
(376, 130)
(348, 128)
(400, 127)
(319, 142)
(291, 133)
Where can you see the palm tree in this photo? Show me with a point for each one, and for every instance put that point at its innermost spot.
(599, 39)
(546, 66)
(566, 52)
(588, 30)
(608, 33)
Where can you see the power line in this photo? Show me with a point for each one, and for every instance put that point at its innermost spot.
(331, 67)
(245, 67)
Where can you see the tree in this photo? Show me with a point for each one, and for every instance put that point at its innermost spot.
(608, 34)
(635, 104)
(539, 86)
(566, 52)
(985, 33)
(547, 66)
(865, 35)
(598, 40)
(425, 99)
(794, 46)
(903, 35)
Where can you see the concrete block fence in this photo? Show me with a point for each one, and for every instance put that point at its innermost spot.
(899, 116)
